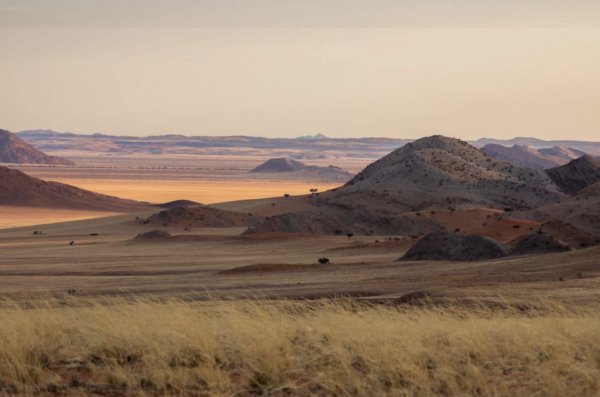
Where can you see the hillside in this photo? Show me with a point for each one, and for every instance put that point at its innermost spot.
(442, 172)
(563, 152)
(15, 150)
(527, 157)
(21, 190)
(576, 175)
(429, 174)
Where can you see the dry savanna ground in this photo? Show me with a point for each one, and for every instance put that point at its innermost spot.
(107, 259)
(118, 347)
(113, 315)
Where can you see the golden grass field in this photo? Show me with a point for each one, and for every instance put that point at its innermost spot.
(327, 348)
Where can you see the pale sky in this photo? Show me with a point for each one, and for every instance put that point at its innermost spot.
(284, 71)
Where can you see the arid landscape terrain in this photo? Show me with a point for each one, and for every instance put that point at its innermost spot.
(232, 241)
(266, 198)
(435, 240)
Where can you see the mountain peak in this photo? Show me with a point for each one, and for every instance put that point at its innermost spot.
(317, 136)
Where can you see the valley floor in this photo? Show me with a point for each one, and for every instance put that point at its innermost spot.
(221, 263)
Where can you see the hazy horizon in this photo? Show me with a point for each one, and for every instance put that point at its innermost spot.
(398, 70)
(297, 137)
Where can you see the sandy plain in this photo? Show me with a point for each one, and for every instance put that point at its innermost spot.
(158, 179)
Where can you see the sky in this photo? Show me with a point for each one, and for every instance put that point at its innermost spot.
(400, 69)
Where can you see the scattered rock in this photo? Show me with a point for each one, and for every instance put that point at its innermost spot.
(539, 244)
(154, 234)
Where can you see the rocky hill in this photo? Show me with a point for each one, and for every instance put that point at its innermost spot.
(15, 150)
(429, 174)
(274, 166)
(298, 170)
(446, 172)
(454, 247)
(21, 190)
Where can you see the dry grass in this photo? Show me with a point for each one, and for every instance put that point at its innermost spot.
(339, 348)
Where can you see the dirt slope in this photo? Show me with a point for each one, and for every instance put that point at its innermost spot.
(21, 190)
(15, 150)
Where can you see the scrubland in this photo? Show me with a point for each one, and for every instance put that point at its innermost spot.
(340, 347)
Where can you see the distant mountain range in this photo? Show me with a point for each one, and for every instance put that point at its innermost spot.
(534, 143)
(541, 159)
(317, 147)
(318, 136)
